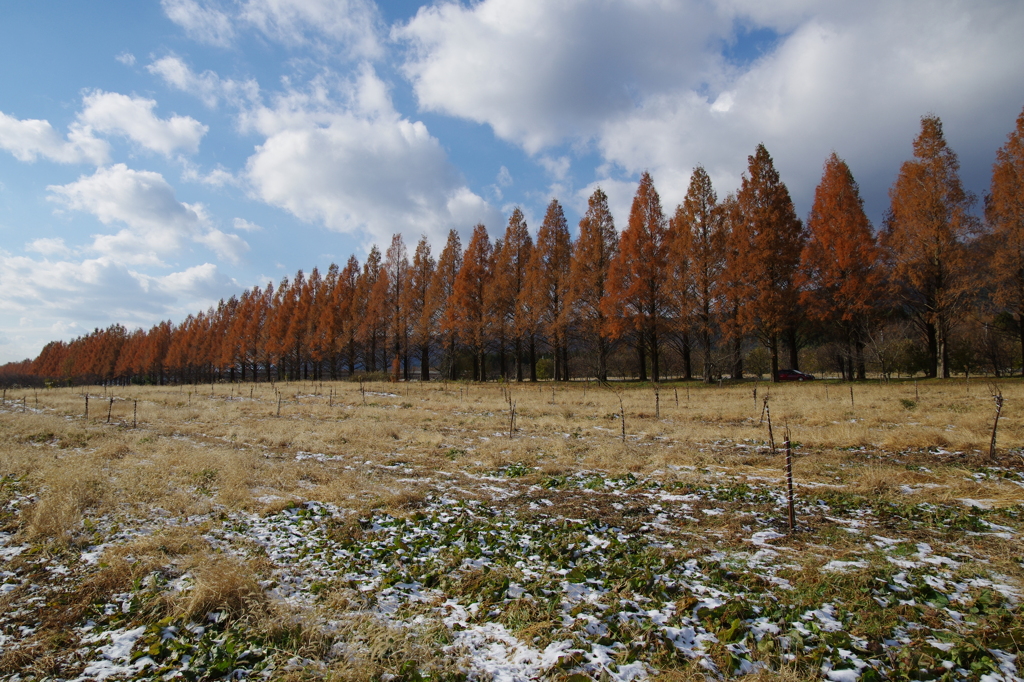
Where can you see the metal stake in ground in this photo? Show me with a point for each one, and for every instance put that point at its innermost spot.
(789, 481)
(768, 415)
(622, 415)
(86, 405)
(657, 402)
(998, 396)
(110, 408)
(511, 417)
(135, 413)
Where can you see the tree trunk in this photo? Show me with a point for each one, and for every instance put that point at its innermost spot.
(641, 358)
(533, 358)
(858, 347)
(933, 350)
(706, 345)
(773, 345)
(687, 365)
(794, 349)
(602, 359)
(556, 355)
(424, 363)
(655, 357)
(519, 359)
(502, 364)
(737, 358)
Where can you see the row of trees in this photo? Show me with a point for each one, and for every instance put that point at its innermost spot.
(704, 283)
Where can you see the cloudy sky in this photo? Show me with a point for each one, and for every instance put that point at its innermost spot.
(159, 155)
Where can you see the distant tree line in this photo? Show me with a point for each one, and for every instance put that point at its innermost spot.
(718, 288)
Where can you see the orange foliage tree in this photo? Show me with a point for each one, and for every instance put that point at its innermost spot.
(395, 311)
(471, 284)
(840, 276)
(638, 298)
(507, 286)
(547, 283)
(926, 236)
(442, 300)
(767, 241)
(417, 304)
(592, 254)
(1004, 210)
(698, 240)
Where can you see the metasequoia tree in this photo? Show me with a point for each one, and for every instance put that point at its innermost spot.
(396, 266)
(592, 254)
(699, 240)
(732, 286)
(277, 327)
(926, 234)
(237, 339)
(369, 309)
(326, 324)
(1004, 209)
(343, 302)
(417, 304)
(497, 323)
(638, 299)
(299, 327)
(441, 297)
(547, 283)
(767, 241)
(314, 344)
(507, 285)
(840, 271)
(155, 351)
(471, 283)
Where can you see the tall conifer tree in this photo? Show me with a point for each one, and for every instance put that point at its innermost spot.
(1004, 209)
(768, 239)
(592, 254)
(840, 275)
(926, 235)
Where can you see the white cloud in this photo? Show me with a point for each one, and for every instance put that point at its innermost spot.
(818, 92)
(218, 177)
(246, 226)
(31, 138)
(112, 112)
(201, 283)
(207, 86)
(126, 58)
(557, 167)
(347, 160)
(651, 85)
(348, 27)
(52, 299)
(49, 246)
(203, 23)
(539, 71)
(229, 247)
(504, 177)
(353, 23)
(156, 224)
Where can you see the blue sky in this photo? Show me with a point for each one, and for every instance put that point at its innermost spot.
(157, 156)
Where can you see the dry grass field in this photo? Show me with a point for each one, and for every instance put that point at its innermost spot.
(403, 532)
